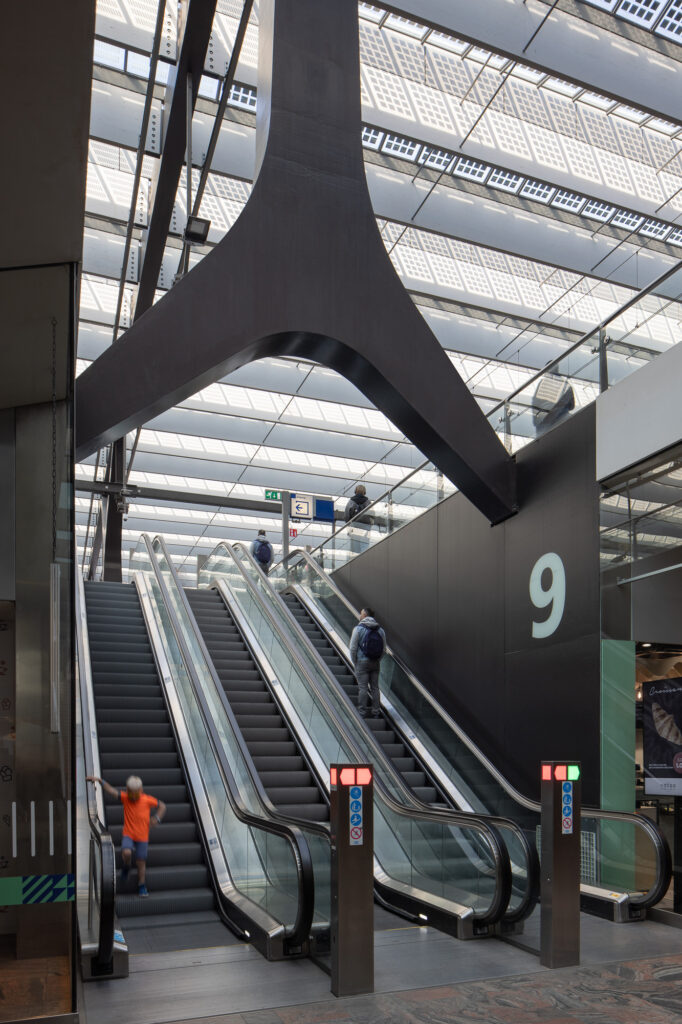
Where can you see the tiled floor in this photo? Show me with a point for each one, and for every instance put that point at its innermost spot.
(628, 973)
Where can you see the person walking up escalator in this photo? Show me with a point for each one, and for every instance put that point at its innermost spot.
(367, 645)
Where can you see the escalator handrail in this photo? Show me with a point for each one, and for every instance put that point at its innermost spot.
(101, 837)
(410, 809)
(292, 834)
(532, 889)
(663, 856)
(270, 810)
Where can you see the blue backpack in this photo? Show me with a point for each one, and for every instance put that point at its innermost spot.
(371, 643)
(263, 552)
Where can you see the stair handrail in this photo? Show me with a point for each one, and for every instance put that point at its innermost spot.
(661, 883)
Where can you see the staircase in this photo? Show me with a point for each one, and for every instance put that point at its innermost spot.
(283, 771)
(135, 738)
(415, 778)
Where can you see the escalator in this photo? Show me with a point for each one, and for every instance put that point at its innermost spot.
(218, 856)
(625, 860)
(395, 748)
(432, 864)
(286, 777)
(136, 738)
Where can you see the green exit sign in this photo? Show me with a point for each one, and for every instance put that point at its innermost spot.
(273, 495)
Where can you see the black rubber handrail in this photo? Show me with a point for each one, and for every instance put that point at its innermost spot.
(104, 844)
(662, 850)
(409, 809)
(299, 934)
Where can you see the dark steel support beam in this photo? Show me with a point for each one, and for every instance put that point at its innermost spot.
(303, 272)
(112, 518)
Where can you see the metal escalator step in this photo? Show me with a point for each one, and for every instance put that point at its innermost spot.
(427, 794)
(128, 744)
(151, 779)
(105, 645)
(133, 728)
(143, 703)
(265, 764)
(253, 709)
(171, 854)
(277, 779)
(250, 697)
(278, 749)
(243, 685)
(130, 691)
(165, 878)
(140, 761)
(254, 734)
(293, 794)
(229, 671)
(174, 901)
(127, 717)
(262, 724)
(393, 750)
(147, 677)
(415, 779)
(309, 812)
(403, 762)
(227, 647)
(184, 920)
(382, 735)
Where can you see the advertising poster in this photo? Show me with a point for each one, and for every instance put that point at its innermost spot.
(662, 737)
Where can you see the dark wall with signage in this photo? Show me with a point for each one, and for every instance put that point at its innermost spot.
(455, 597)
(648, 609)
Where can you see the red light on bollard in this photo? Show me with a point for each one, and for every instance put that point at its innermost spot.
(333, 776)
(546, 773)
(364, 776)
(347, 776)
(560, 772)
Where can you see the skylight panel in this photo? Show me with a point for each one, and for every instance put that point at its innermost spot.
(108, 55)
(654, 229)
(473, 169)
(371, 13)
(243, 96)
(628, 220)
(371, 137)
(675, 236)
(670, 25)
(641, 12)
(527, 74)
(409, 28)
(397, 145)
(537, 190)
(563, 88)
(596, 210)
(447, 42)
(568, 200)
(439, 159)
(505, 180)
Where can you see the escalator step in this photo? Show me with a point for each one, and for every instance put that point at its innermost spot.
(293, 794)
(166, 877)
(176, 814)
(273, 763)
(254, 734)
(272, 725)
(152, 778)
(131, 744)
(175, 901)
(166, 834)
(277, 779)
(286, 748)
(129, 729)
(310, 812)
(140, 761)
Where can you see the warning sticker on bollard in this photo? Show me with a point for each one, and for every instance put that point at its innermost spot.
(355, 815)
(567, 808)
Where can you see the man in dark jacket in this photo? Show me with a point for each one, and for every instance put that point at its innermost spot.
(367, 645)
(356, 504)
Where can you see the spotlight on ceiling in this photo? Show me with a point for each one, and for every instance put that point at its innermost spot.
(196, 231)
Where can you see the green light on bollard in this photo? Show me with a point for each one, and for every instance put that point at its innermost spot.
(573, 772)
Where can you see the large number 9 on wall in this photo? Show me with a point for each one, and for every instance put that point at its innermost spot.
(555, 594)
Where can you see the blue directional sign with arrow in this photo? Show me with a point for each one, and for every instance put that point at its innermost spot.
(301, 506)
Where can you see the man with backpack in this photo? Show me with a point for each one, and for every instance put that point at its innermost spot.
(367, 645)
(261, 551)
(356, 504)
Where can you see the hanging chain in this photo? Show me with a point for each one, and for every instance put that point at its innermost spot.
(54, 439)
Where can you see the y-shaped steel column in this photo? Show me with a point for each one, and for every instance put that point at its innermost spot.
(303, 272)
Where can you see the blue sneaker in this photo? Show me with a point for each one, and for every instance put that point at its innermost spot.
(142, 890)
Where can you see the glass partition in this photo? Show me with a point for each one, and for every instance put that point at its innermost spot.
(423, 851)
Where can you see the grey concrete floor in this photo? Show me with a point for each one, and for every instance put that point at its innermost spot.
(214, 982)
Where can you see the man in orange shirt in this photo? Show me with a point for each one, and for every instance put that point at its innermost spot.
(136, 824)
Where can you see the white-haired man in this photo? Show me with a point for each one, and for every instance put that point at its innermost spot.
(137, 820)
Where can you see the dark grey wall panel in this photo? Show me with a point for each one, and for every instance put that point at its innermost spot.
(454, 595)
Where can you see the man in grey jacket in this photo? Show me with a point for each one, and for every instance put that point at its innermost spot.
(367, 645)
